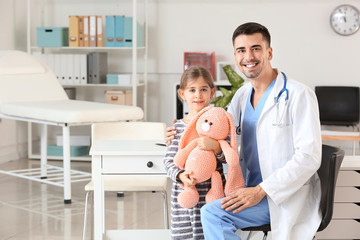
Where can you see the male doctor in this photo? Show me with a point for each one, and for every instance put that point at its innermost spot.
(279, 131)
(280, 149)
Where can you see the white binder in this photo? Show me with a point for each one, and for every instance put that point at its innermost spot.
(76, 69)
(83, 69)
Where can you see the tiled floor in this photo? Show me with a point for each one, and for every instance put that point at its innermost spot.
(32, 210)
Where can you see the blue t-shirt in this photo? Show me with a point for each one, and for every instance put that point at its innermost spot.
(249, 142)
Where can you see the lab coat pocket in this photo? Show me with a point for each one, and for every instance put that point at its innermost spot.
(281, 144)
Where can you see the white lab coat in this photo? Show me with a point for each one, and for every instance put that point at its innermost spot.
(289, 156)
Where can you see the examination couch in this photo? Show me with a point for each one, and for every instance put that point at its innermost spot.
(30, 92)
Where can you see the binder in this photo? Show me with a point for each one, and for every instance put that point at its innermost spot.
(57, 66)
(73, 31)
(128, 33)
(69, 70)
(98, 65)
(92, 31)
(81, 31)
(63, 59)
(89, 68)
(110, 31)
(76, 69)
(86, 31)
(83, 69)
(99, 32)
(119, 31)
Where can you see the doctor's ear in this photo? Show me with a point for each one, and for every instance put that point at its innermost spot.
(270, 51)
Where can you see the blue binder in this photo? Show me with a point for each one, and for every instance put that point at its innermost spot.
(110, 31)
(119, 31)
(128, 33)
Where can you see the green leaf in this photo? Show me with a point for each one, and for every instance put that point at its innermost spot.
(235, 79)
(236, 82)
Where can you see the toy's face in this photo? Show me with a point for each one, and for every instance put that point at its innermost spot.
(214, 124)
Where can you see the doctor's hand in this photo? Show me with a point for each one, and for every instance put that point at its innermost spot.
(243, 198)
(186, 179)
(170, 133)
(209, 144)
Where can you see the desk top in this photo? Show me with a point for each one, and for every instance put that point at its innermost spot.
(127, 147)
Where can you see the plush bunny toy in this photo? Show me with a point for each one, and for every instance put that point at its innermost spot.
(216, 123)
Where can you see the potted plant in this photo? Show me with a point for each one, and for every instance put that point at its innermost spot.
(236, 82)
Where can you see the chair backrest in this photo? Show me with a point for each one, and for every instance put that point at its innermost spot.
(331, 160)
(128, 131)
(24, 78)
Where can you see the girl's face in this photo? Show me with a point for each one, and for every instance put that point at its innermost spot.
(197, 94)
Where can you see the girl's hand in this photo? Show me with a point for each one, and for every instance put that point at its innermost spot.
(209, 144)
(186, 179)
(170, 133)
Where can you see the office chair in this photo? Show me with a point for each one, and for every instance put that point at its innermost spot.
(130, 131)
(331, 160)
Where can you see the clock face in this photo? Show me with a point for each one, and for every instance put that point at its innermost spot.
(345, 20)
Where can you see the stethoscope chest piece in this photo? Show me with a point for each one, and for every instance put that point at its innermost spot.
(238, 130)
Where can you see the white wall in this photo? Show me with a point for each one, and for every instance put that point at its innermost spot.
(305, 46)
(13, 135)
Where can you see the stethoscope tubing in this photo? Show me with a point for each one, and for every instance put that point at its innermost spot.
(284, 89)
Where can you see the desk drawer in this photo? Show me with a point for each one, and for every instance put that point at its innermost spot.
(346, 211)
(340, 229)
(347, 194)
(348, 178)
(133, 164)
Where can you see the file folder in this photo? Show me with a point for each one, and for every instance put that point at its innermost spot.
(110, 31)
(69, 71)
(98, 67)
(119, 31)
(86, 31)
(99, 32)
(57, 66)
(83, 69)
(81, 31)
(73, 31)
(128, 33)
(89, 68)
(63, 79)
(76, 69)
(92, 31)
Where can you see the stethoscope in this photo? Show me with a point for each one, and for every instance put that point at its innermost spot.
(277, 105)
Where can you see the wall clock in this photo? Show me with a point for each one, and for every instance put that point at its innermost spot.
(345, 20)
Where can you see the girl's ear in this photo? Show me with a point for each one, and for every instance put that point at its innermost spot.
(181, 94)
(213, 90)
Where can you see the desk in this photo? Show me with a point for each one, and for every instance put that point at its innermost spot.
(345, 220)
(341, 136)
(123, 158)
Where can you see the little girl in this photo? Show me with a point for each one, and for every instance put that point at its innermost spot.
(197, 89)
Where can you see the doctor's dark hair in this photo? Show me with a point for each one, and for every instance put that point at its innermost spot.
(192, 73)
(252, 28)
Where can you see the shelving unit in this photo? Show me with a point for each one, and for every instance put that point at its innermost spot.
(133, 54)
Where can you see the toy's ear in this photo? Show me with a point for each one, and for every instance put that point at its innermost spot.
(190, 132)
(233, 141)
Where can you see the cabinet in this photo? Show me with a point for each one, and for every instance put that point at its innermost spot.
(129, 60)
(345, 223)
